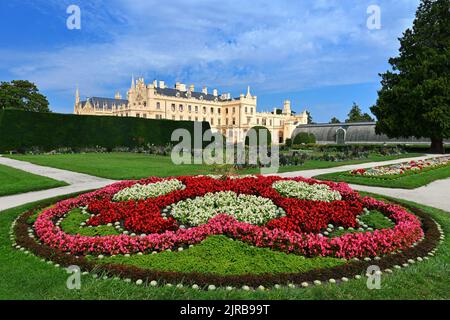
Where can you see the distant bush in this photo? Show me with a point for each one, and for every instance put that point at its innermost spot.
(304, 138)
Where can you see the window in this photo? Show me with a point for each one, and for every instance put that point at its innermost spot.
(189, 108)
(180, 108)
(212, 121)
(204, 109)
(204, 119)
(219, 110)
(249, 119)
(158, 105)
(226, 110)
(173, 117)
(234, 110)
(234, 121)
(145, 116)
(173, 107)
(218, 122)
(212, 110)
(196, 109)
(190, 118)
(270, 122)
(257, 121)
(196, 118)
(251, 110)
(181, 117)
(226, 121)
(246, 110)
(264, 121)
(138, 115)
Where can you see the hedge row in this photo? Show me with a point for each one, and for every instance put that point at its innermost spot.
(21, 130)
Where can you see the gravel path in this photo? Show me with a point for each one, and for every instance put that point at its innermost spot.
(77, 182)
(435, 194)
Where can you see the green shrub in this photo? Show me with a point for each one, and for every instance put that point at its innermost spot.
(23, 130)
(304, 138)
(259, 129)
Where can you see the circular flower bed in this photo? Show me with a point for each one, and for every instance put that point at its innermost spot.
(288, 215)
(328, 231)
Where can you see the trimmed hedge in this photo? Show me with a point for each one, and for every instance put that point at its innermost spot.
(22, 130)
(259, 129)
(304, 138)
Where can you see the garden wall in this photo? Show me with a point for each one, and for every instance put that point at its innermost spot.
(22, 130)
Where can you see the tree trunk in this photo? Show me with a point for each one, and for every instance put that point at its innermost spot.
(437, 145)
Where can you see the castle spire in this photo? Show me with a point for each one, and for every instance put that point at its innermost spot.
(132, 81)
(248, 92)
(77, 95)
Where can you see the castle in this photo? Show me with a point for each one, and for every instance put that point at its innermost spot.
(232, 117)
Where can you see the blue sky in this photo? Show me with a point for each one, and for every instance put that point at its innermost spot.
(319, 54)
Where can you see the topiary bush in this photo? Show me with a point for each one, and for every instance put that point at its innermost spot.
(304, 138)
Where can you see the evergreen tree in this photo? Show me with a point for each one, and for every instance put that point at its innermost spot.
(356, 115)
(415, 96)
(335, 120)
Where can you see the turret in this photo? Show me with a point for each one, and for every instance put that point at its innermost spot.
(287, 107)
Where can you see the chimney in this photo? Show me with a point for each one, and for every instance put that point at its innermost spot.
(182, 87)
(155, 83)
(205, 90)
(215, 94)
(191, 88)
(162, 85)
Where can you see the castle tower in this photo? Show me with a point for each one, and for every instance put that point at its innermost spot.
(287, 107)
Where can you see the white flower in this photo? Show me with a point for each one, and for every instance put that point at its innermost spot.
(211, 287)
(245, 208)
(139, 282)
(303, 190)
(153, 283)
(152, 190)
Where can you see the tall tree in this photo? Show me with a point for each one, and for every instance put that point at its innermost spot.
(310, 119)
(22, 94)
(415, 96)
(335, 120)
(356, 115)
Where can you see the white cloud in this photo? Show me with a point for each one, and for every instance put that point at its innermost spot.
(273, 45)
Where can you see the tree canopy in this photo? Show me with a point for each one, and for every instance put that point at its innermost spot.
(356, 115)
(415, 96)
(310, 118)
(335, 120)
(22, 94)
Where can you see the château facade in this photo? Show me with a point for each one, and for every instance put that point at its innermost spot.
(232, 117)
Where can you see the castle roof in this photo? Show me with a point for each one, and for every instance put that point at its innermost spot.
(171, 92)
(108, 103)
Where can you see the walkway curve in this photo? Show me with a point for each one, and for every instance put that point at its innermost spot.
(77, 182)
(434, 194)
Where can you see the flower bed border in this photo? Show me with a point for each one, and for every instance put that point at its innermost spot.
(427, 246)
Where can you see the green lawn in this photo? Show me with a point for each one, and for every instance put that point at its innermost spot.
(410, 181)
(26, 277)
(134, 166)
(219, 255)
(13, 181)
